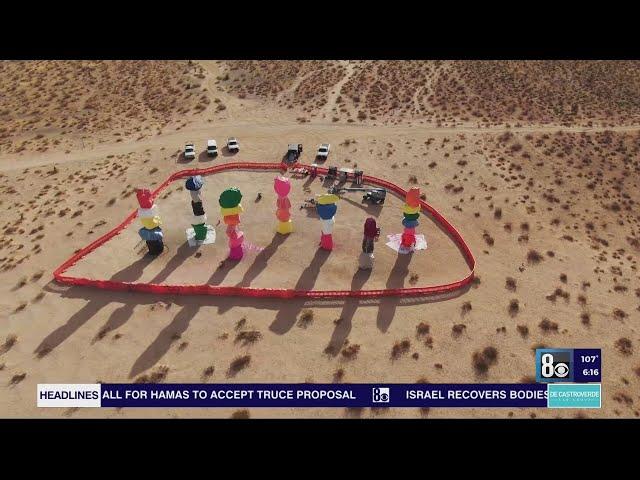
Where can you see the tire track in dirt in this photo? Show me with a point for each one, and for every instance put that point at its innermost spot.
(334, 92)
(176, 139)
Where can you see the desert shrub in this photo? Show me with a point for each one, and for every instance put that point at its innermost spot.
(422, 329)
(514, 307)
(238, 364)
(306, 318)
(241, 414)
(624, 346)
(458, 329)
(400, 348)
(547, 325)
(585, 318)
(466, 307)
(248, 337)
(619, 314)
(350, 351)
(534, 257)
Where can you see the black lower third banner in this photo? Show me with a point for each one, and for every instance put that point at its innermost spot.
(292, 395)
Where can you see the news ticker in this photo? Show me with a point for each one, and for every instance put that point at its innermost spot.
(177, 395)
(565, 378)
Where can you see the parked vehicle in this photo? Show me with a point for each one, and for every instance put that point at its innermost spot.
(376, 196)
(212, 148)
(233, 145)
(293, 152)
(323, 151)
(189, 151)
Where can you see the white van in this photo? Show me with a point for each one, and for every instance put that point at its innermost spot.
(212, 148)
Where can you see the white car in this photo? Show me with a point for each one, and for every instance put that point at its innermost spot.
(189, 151)
(212, 148)
(233, 145)
(323, 150)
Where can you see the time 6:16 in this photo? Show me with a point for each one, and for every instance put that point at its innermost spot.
(589, 358)
(591, 372)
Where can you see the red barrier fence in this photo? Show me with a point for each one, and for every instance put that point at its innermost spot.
(59, 276)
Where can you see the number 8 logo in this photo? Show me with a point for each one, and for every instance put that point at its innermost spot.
(547, 365)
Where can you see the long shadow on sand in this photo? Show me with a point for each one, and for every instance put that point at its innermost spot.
(160, 346)
(222, 271)
(228, 153)
(310, 212)
(286, 316)
(308, 182)
(96, 302)
(370, 208)
(327, 181)
(121, 315)
(203, 156)
(182, 159)
(343, 327)
(184, 251)
(388, 305)
(118, 318)
(286, 311)
(262, 260)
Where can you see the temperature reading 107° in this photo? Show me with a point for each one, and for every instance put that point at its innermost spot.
(588, 365)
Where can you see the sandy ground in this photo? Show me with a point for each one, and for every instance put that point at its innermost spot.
(571, 197)
(295, 259)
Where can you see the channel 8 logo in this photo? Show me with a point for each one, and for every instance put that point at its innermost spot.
(381, 395)
(554, 365)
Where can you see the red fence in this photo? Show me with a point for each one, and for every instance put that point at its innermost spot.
(59, 276)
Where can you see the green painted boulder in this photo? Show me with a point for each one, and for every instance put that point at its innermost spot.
(411, 216)
(230, 198)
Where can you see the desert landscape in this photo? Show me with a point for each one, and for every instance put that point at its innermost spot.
(535, 163)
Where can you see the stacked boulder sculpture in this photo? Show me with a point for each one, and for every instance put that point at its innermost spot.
(230, 209)
(371, 233)
(282, 186)
(199, 221)
(411, 212)
(150, 219)
(326, 208)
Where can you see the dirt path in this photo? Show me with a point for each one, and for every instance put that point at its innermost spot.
(291, 90)
(334, 93)
(174, 141)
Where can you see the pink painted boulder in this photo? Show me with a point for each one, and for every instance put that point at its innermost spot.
(282, 186)
(236, 242)
(283, 203)
(283, 215)
(236, 253)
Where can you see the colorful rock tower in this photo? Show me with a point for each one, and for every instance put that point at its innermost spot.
(194, 184)
(230, 209)
(327, 208)
(282, 186)
(148, 215)
(371, 233)
(411, 212)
